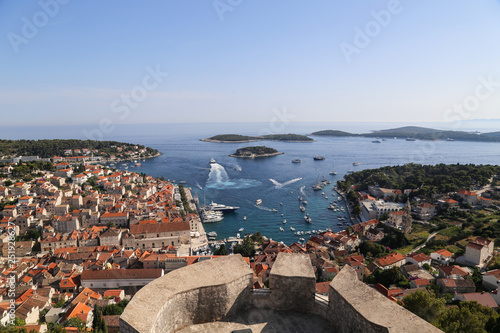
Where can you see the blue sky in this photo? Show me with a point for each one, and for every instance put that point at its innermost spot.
(242, 60)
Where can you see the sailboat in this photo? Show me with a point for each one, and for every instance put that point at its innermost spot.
(333, 172)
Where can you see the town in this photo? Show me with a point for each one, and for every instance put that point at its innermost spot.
(79, 239)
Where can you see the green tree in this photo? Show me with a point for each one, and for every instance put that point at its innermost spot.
(369, 248)
(467, 317)
(112, 310)
(387, 277)
(424, 304)
(247, 249)
(221, 251)
(75, 322)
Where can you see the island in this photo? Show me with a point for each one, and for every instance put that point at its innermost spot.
(237, 138)
(417, 133)
(255, 151)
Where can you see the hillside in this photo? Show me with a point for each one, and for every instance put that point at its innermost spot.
(271, 137)
(332, 133)
(421, 133)
(51, 148)
(439, 178)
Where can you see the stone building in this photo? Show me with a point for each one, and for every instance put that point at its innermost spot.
(407, 219)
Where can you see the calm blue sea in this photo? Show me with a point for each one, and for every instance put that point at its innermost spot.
(275, 180)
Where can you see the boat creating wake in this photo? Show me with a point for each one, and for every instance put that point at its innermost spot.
(219, 179)
(278, 185)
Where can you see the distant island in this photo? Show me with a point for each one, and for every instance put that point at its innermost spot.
(419, 133)
(235, 138)
(255, 151)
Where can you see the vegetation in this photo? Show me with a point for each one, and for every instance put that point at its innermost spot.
(98, 323)
(221, 251)
(466, 317)
(255, 151)
(426, 305)
(387, 277)
(184, 199)
(50, 148)
(247, 249)
(271, 137)
(333, 133)
(427, 179)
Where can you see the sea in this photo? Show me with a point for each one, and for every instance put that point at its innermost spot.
(275, 180)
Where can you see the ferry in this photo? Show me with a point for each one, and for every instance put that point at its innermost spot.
(258, 202)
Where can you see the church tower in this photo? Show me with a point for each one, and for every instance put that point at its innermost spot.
(406, 223)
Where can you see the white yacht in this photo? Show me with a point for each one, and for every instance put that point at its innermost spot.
(258, 202)
(212, 161)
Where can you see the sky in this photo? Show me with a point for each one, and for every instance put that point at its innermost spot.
(67, 62)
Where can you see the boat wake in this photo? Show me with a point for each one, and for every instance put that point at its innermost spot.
(278, 185)
(219, 179)
(302, 190)
(263, 208)
(236, 167)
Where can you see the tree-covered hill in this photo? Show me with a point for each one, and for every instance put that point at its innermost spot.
(255, 151)
(270, 137)
(441, 177)
(332, 133)
(51, 148)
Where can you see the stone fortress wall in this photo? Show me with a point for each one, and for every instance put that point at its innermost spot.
(215, 289)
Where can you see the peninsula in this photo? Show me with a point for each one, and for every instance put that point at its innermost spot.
(420, 133)
(237, 138)
(255, 151)
(73, 150)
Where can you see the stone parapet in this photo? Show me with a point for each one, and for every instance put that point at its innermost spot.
(355, 307)
(205, 292)
(292, 283)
